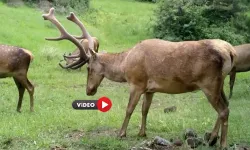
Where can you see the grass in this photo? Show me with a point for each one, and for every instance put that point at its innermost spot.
(118, 24)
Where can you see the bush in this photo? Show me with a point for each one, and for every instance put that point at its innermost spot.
(62, 6)
(77, 5)
(202, 19)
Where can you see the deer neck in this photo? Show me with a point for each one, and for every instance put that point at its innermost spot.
(113, 66)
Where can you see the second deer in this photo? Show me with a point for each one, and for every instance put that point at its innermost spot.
(242, 63)
(14, 62)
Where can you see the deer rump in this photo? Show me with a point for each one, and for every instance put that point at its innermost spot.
(177, 67)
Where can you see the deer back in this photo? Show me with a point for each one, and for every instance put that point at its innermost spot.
(178, 63)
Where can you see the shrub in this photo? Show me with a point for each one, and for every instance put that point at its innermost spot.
(62, 6)
(77, 5)
(201, 19)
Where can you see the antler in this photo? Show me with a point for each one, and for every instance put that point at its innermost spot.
(65, 35)
(85, 33)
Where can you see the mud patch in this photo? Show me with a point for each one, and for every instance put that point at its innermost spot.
(75, 135)
(190, 140)
(58, 148)
(103, 131)
(12, 143)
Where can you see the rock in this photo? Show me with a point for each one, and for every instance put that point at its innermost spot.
(157, 143)
(143, 146)
(177, 142)
(239, 146)
(189, 133)
(170, 109)
(160, 147)
(194, 142)
(160, 141)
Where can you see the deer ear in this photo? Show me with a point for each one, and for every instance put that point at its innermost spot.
(93, 54)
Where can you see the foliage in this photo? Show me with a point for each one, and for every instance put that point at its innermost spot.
(77, 5)
(202, 19)
(62, 5)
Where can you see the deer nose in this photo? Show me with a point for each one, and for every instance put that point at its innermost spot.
(91, 91)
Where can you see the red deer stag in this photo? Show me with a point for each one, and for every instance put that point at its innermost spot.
(242, 63)
(14, 62)
(159, 66)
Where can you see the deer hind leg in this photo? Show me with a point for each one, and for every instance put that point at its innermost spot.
(133, 100)
(231, 82)
(147, 100)
(214, 93)
(21, 90)
(23, 80)
(31, 93)
(214, 135)
(224, 119)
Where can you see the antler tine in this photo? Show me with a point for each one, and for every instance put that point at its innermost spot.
(65, 35)
(72, 17)
(51, 17)
(78, 66)
(75, 64)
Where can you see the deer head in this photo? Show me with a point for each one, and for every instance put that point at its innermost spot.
(89, 56)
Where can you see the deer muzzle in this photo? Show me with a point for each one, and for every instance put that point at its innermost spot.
(91, 91)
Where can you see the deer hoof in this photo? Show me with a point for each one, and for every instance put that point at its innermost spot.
(122, 135)
(224, 148)
(18, 110)
(142, 134)
(212, 140)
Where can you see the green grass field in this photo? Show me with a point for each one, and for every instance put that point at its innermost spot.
(118, 24)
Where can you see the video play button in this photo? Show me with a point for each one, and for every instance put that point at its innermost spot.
(104, 104)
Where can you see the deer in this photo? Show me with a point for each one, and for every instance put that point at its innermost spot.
(14, 62)
(155, 65)
(242, 64)
(84, 43)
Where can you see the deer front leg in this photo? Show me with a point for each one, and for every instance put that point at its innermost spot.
(133, 100)
(147, 100)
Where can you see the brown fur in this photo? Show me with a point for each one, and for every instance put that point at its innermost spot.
(169, 67)
(14, 62)
(242, 64)
(161, 66)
